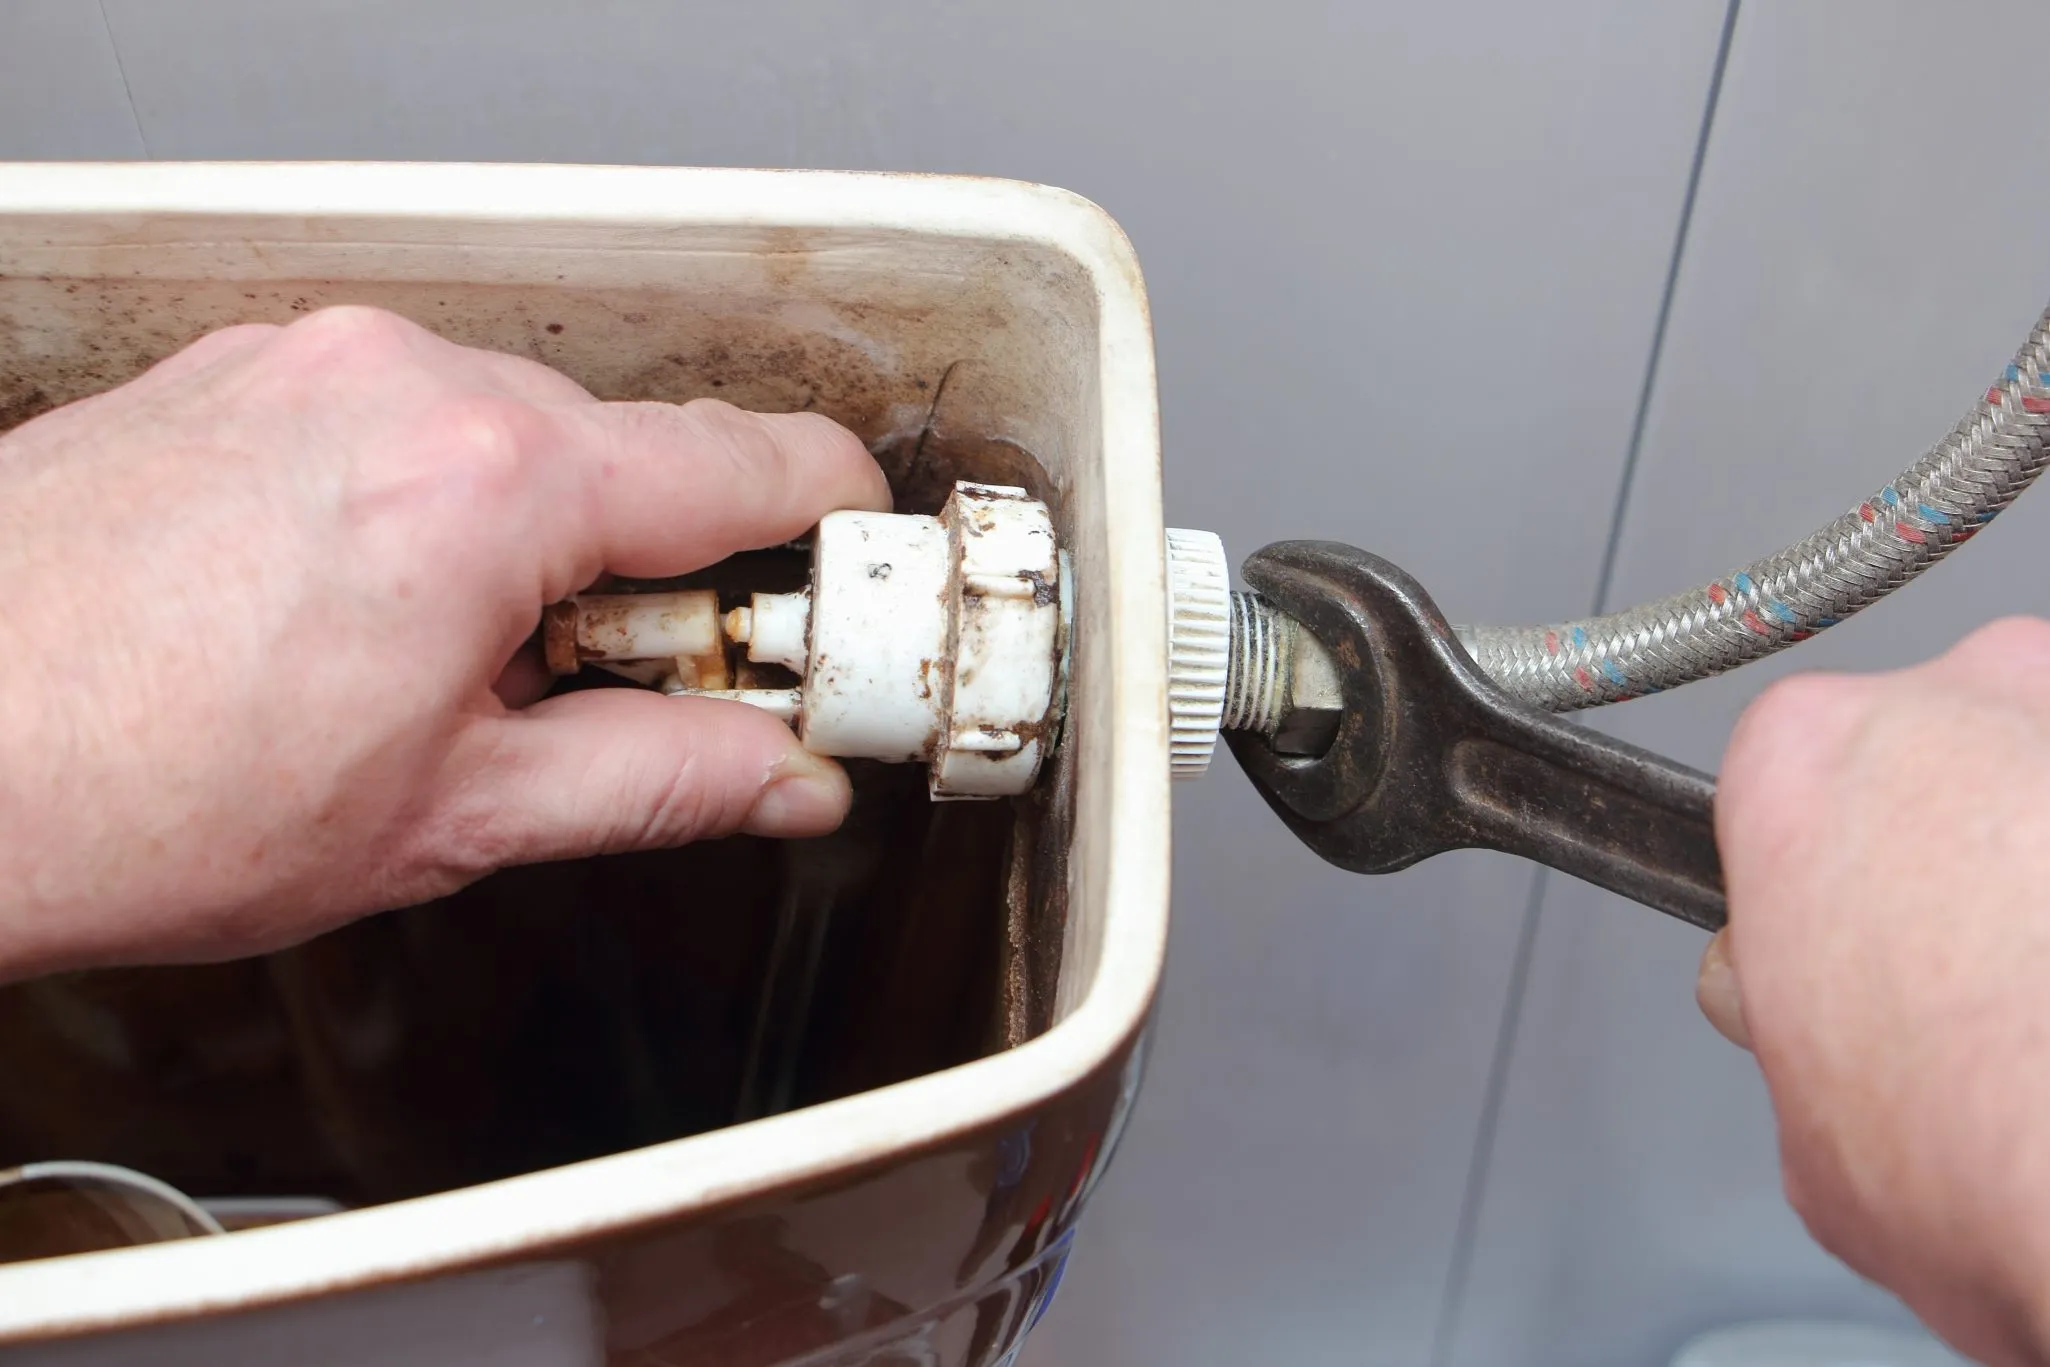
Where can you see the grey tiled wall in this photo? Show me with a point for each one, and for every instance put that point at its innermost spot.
(1870, 243)
(1409, 264)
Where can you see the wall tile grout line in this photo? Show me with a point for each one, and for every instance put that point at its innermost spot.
(1452, 1300)
(1604, 582)
(127, 91)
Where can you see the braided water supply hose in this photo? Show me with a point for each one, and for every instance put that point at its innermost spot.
(1939, 502)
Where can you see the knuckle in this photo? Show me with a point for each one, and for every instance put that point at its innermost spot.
(471, 831)
(707, 782)
(722, 424)
(467, 845)
(2006, 644)
(1780, 752)
(814, 429)
(1792, 714)
(819, 438)
(681, 807)
(709, 412)
(485, 439)
(827, 449)
(758, 464)
(353, 330)
(542, 382)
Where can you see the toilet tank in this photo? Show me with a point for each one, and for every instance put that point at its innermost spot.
(834, 1101)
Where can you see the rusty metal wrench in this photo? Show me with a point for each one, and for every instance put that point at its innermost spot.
(1430, 755)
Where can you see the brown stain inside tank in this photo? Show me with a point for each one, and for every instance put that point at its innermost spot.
(564, 1011)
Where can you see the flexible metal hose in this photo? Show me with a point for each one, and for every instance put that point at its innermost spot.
(1936, 504)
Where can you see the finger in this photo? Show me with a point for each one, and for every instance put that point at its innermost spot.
(513, 377)
(665, 489)
(517, 377)
(1717, 992)
(212, 348)
(622, 769)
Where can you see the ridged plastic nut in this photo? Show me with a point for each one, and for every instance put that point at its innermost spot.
(1198, 646)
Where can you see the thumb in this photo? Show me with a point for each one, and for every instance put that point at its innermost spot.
(613, 769)
(1718, 993)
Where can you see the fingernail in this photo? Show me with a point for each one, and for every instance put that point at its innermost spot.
(807, 796)
(1717, 991)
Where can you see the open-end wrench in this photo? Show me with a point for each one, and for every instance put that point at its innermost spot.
(1430, 755)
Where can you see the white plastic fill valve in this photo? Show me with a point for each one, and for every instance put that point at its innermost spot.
(919, 639)
(878, 643)
(936, 639)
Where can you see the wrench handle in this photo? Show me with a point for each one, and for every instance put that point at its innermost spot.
(1598, 808)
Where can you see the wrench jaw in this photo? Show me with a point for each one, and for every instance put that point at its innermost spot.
(1358, 805)
(1294, 576)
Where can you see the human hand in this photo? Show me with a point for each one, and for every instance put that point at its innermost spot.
(1886, 844)
(264, 614)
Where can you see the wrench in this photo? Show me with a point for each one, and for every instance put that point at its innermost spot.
(1430, 755)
